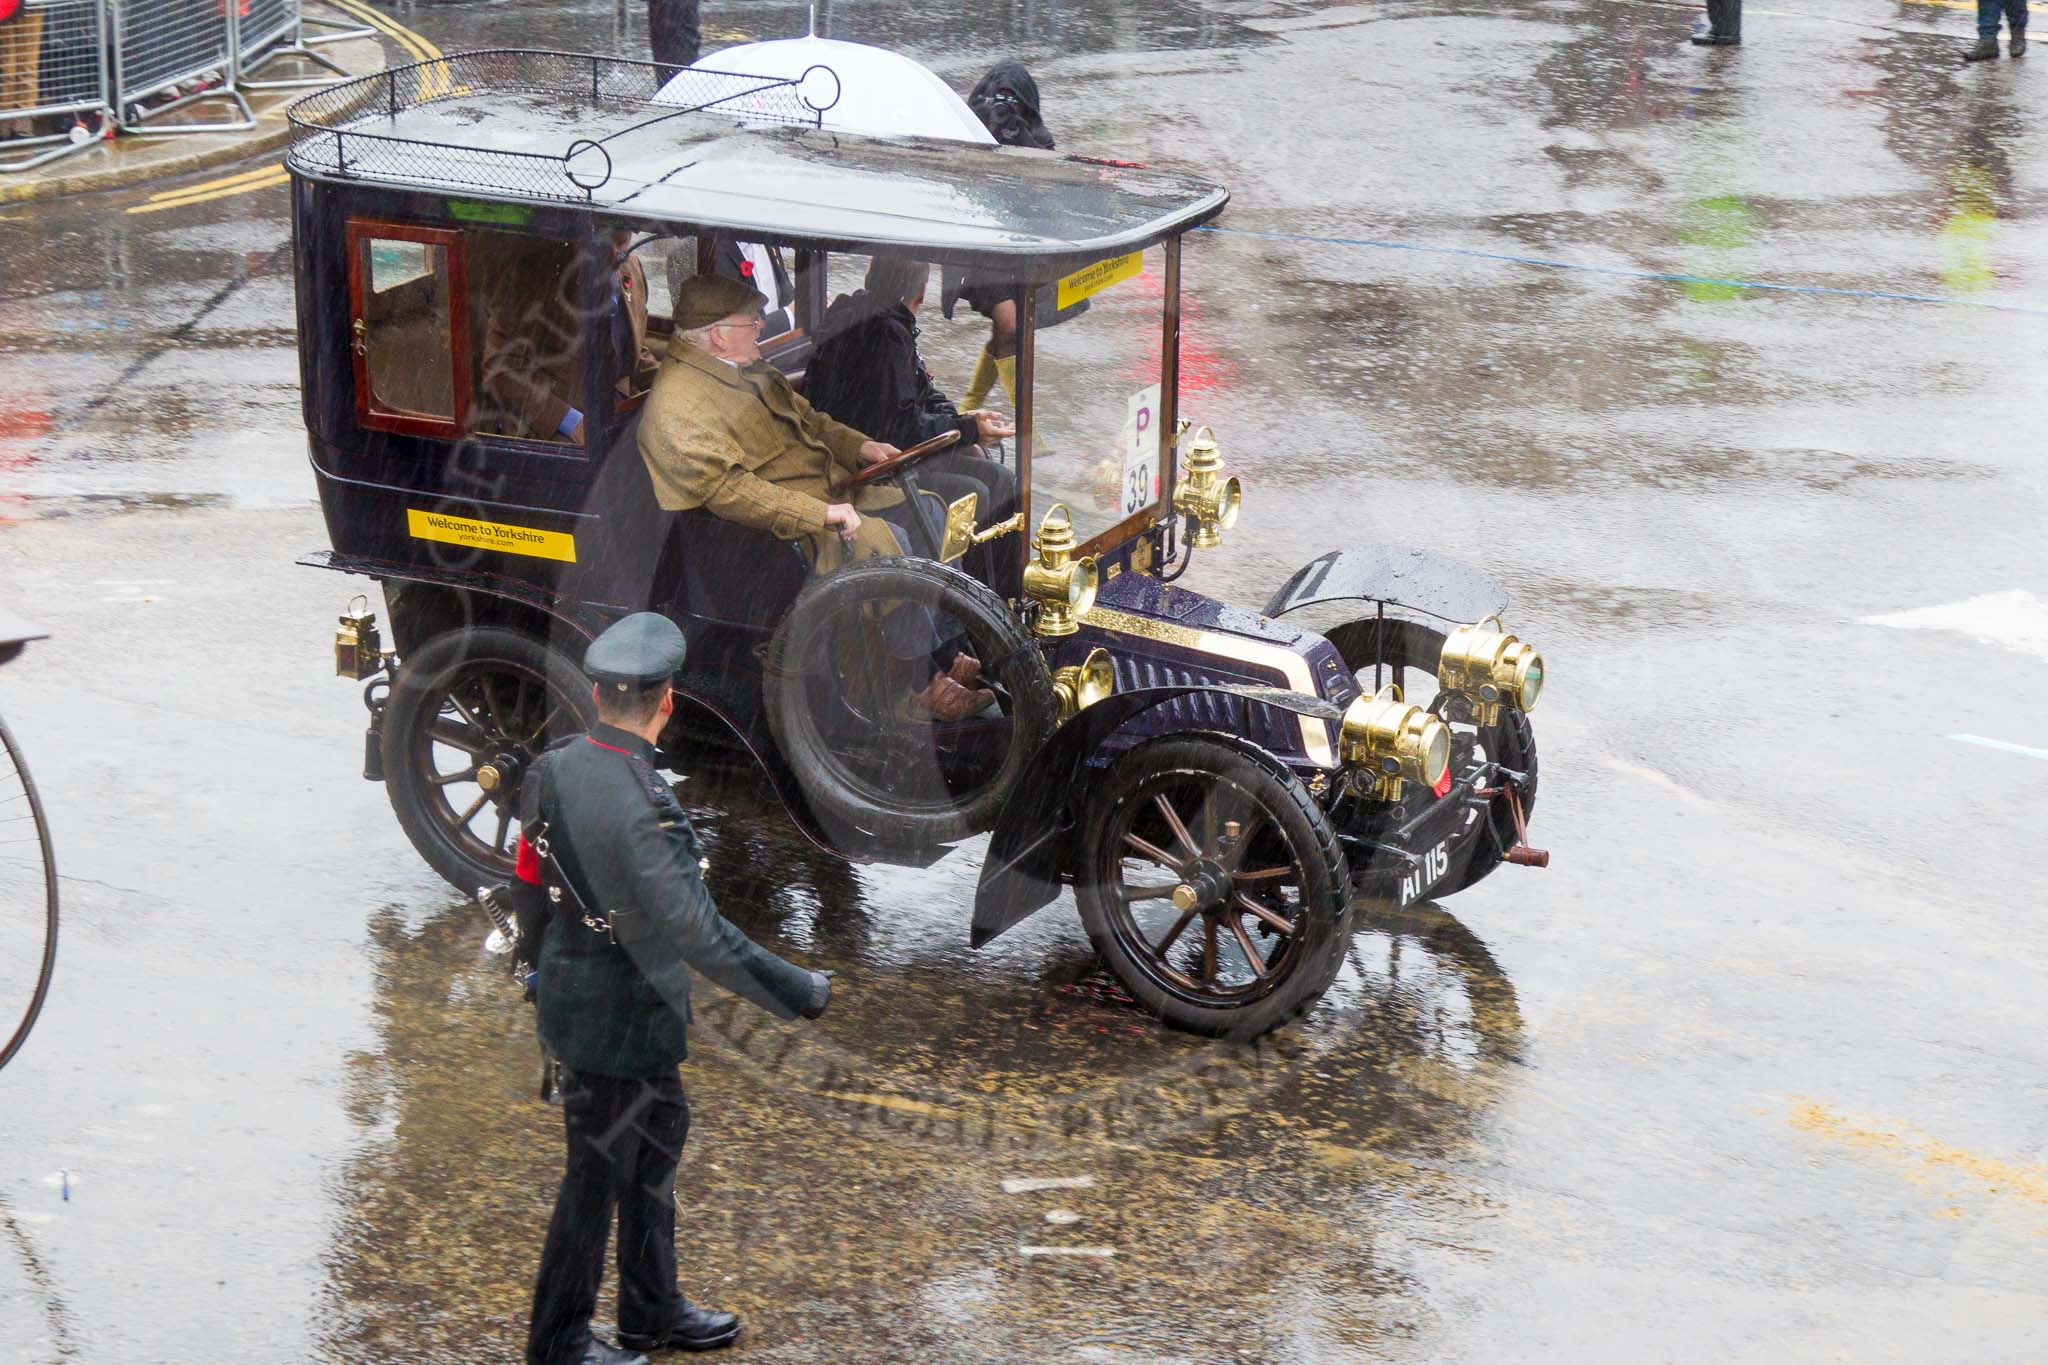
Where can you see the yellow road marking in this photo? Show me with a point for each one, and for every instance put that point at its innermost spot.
(1922, 1159)
(184, 190)
(275, 175)
(434, 79)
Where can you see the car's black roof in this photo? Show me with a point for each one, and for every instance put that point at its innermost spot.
(566, 130)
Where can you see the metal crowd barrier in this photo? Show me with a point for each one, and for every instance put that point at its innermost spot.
(110, 58)
(52, 63)
(162, 44)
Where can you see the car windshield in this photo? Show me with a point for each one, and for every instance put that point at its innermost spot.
(1096, 413)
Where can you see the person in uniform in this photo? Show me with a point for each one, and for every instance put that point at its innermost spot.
(867, 373)
(723, 430)
(630, 920)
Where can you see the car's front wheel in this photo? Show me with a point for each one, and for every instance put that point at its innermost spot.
(1212, 885)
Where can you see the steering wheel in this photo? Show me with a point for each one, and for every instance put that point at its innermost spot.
(896, 463)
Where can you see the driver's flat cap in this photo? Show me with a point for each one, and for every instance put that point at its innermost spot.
(639, 651)
(704, 299)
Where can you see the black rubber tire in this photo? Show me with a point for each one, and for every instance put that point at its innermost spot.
(425, 678)
(853, 806)
(1391, 641)
(1309, 962)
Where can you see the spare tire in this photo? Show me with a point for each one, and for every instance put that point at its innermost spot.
(841, 671)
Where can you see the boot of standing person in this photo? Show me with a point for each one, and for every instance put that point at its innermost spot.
(1988, 15)
(1724, 24)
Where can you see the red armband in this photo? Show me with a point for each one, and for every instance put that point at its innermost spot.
(527, 868)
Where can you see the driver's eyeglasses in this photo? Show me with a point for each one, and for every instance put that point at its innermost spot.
(755, 324)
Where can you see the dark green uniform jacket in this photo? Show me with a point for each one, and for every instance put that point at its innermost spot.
(623, 1008)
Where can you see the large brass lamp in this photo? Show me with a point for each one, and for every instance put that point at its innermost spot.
(1490, 669)
(1061, 584)
(1079, 686)
(1394, 742)
(1211, 501)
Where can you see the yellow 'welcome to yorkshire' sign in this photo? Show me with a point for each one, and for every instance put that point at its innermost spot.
(491, 535)
(1093, 279)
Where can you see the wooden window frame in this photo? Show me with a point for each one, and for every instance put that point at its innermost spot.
(355, 232)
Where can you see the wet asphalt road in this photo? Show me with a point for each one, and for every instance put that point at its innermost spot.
(1753, 1072)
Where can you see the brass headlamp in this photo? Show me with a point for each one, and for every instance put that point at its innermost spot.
(1395, 742)
(1490, 669)
(1062, 585)
(1211, 501)
(1079, 686)
(358, 650)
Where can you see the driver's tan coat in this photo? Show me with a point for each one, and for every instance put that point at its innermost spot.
(745, 444)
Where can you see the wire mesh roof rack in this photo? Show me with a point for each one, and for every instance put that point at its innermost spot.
(527, 122)
(729, 152)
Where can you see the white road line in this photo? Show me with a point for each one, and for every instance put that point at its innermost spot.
(1050, 1182)
(2015, 619)
(1099, 1253)
(2020, 749)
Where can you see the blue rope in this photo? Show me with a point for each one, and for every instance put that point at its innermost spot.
(1626, 271)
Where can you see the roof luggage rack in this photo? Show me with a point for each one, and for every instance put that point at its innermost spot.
(351, 129)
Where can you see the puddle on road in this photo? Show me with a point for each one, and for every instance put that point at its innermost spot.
(848, 1177)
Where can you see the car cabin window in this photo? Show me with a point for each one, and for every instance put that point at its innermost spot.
(526, 301)
(407, 329)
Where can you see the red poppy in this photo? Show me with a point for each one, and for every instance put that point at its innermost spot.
(746, 268)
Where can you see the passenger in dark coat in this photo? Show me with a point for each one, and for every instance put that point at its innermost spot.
(867, 374)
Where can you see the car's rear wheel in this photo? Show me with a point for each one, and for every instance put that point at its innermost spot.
(1380, 650)
(469, 713)
(1212, 885)
(841, 673)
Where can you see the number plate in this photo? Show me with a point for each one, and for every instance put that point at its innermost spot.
(1435, 864)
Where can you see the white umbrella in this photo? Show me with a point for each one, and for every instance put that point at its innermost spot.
(881, 93)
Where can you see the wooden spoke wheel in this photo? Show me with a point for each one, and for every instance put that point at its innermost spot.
(1212, 885)
(471, 711)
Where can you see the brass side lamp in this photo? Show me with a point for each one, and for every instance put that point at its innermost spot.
(1211, 501)
(358, 649)
(1079, 686)
(1061, 584)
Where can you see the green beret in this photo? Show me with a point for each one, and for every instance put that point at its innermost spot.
(639, 651)
(704, 299)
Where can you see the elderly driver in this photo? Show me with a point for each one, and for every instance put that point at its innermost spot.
(724, 430)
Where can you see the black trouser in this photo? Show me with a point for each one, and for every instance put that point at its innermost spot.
(1724, 18)
(953, 474)
(624, 1140)
(672, 33)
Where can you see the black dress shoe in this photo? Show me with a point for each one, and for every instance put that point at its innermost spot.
(698, 1329)
(597, 1353)
(1716, 40)
(1986, 50)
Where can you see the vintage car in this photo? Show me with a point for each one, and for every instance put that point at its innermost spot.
(1220, 787)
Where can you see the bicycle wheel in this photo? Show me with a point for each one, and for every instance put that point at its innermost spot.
(28, 900)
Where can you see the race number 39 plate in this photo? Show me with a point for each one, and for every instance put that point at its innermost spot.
(1140, 487)
(1434, 864)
